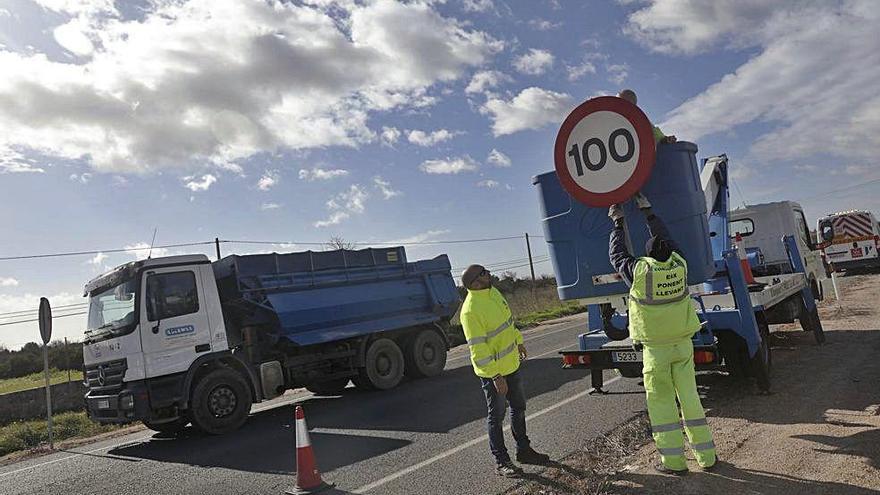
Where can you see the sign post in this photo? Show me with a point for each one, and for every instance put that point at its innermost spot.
(45, 318)
(604, 151)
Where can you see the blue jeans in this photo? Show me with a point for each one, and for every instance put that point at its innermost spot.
(497, 405)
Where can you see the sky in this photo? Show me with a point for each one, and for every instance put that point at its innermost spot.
(378, 121)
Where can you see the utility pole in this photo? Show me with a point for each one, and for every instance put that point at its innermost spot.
(66, 359)
(217, 245)
(531, 265)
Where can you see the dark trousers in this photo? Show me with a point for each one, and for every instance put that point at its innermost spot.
(497, 405)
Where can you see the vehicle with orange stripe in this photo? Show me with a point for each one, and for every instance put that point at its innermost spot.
(850, 239)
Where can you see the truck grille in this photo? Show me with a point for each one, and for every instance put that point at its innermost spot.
(106, 378)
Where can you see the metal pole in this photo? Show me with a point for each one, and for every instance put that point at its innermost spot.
(531, 267)
(48, 394)
(66, 359)
(217, 245)
(836, 292)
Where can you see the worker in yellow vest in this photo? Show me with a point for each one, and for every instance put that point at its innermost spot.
(662, 321)
(496, 348)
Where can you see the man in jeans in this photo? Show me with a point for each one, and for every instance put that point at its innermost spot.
(496, 350)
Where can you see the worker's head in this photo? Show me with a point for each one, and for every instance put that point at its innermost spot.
(658, 248)
(476, 277)
(628, 95)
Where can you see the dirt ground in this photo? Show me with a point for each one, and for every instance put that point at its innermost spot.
(817, 433)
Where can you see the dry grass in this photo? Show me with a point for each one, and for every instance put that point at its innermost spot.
(37, 380)
(592, 469)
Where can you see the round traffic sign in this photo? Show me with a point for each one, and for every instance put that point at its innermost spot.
(604, 151)
(45, 319)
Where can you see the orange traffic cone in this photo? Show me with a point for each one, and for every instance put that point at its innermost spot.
(308, 477)
(744, 260)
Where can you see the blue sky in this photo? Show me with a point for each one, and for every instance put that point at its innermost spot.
(389, 121)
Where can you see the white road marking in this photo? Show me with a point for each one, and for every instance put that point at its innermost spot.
(471, 443)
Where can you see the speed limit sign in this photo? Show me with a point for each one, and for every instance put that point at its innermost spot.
(604, 151)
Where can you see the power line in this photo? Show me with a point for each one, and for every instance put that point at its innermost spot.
(37, 319)
(102, 251)
(384, 243)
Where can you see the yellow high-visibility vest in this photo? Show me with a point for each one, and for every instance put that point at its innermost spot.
(490, 333)
(660, 308)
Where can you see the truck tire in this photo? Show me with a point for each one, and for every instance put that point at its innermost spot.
(383, 366)
(221, 402)
(734, 353)
(168, 428)
(425, 354)
(818, 293)
(329, 387)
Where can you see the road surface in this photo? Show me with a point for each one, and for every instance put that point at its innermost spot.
(426, 436)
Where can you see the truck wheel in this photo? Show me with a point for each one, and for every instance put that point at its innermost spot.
(329, 387)
(425, 354)
(762, 360)
(221, 402)
(383, 366)
(170, 427)
(818, 293)
(735, 354)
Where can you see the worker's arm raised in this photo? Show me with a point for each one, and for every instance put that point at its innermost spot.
(621, 260)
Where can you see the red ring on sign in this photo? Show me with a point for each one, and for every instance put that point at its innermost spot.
(647, 151)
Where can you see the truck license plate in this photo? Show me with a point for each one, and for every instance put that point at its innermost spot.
(626, 357)
(103, 404)
(856, 252)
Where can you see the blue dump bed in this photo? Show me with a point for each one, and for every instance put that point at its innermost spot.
(577, 235)
(324, 296)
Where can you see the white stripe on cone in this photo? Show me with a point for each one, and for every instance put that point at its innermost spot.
(302, 434)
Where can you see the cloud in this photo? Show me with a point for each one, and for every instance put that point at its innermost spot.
(534, 63)
(343, 205)
(385, 188)
(8, 282)
(617, 73)
(530, 109)
(199, 185)
(98, 259)
(576, 72)
(478, 5)
(485, 80)
(812, 79)
(213, 82)
(421, 237)
(13, 162)
(82, 178)
(269, 180)
(544, 24)
(449, 165)
(488, 184)
(389, 135)
(317, 173)
(141, 250)
(270, 206)
(858, 169)
(805, 168)
(498, 158)
(422, 138)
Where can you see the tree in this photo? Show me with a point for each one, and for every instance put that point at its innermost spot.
(337, 242)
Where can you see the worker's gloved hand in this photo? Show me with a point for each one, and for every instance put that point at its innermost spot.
(615, 213)
(642, 201)
(669, 140)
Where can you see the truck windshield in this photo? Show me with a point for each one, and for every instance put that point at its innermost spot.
(112, 311)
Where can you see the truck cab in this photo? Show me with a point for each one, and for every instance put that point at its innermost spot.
(149, 319)
(762, 226)
(851, 239)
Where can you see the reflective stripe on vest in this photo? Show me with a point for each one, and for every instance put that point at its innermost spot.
(485, 338)
(496, 357)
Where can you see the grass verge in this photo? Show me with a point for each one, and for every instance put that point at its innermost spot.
(24, 435)
(592, 469)
(37, 380)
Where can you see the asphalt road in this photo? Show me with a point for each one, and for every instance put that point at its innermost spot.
(426, 436)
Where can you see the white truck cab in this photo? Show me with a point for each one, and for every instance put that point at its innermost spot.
(851, 239)
(763, 226)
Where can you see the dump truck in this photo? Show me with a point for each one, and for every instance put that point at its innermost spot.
(180, 339)
(692, 198)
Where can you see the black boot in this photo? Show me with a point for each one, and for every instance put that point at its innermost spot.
(529, 456)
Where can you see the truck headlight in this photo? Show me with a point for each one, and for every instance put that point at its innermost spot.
(126, 402)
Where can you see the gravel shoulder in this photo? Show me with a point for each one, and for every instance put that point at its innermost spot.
(817, 433)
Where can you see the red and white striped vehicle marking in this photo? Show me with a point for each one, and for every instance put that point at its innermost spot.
(853, 225)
